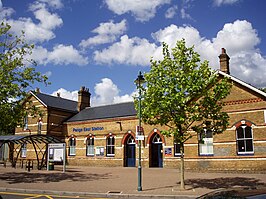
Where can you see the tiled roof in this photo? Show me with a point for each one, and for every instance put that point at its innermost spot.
(103, 112)
(57, 102)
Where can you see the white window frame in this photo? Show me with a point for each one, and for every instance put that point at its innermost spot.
(111, 146)
(72, 148)
(90, 146)
(206, 148)
(177, 153)
(243, 126)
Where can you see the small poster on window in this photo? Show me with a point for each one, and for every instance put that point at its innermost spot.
(168, 152)
(99, 151)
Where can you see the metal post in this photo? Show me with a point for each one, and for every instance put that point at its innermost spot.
(139, 143)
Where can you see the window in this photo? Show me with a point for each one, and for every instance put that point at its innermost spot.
(206, 142)
(110, 146)
(72, 146)
(23, 150)
(39, 126)
(177, 149)
(90, 146)
(25, 126)
(244, 139)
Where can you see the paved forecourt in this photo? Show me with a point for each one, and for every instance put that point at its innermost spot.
(122, 182)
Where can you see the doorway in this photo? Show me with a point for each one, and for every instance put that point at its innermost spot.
(130, 152)
(156, 155)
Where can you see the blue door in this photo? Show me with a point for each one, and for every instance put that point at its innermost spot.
(131, 155)
(130, 152)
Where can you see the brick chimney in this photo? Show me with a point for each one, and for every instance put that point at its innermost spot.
(224, 62)
(83, 98)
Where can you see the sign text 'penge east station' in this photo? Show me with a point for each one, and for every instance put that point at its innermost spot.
(86, 129)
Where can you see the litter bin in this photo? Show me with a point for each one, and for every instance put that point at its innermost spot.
(51, 166)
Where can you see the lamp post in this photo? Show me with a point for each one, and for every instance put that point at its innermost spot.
(138, 82)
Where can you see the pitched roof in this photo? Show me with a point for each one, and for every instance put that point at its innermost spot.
(56, 102)
(103, 112)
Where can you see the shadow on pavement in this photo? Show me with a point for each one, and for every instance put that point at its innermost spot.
(26, 177)
(217, 183)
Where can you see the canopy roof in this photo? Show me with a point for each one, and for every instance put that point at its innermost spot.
(22, 139)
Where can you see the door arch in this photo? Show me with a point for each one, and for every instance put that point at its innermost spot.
(156, 148)
(129, 151)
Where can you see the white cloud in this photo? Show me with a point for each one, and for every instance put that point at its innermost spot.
(184, 14)
(134, 51)
(71, 95)
(37, 32)
(141, 10)
(5, 12)
(56, 4)
(106, 33)
(106, 92)
(224, 2)
(60, 55)
(171, 12)
(239, 38)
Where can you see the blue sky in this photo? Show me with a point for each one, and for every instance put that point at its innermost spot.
(102, 44)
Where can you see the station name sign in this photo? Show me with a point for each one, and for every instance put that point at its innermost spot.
(86, 129)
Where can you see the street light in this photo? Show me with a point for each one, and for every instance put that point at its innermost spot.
(140, 80)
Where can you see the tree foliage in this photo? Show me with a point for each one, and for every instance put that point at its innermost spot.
(17, 75)
(184, 94)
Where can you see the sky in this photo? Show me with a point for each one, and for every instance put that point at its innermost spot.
(103, 44)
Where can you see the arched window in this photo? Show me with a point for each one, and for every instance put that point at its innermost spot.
(72, 146)
(244, 140)
(110, 146)
(90, 146)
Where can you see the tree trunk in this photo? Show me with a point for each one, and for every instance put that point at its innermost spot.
(182, 168)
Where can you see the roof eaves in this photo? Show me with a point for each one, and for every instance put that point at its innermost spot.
(243, 83)
(38, 99)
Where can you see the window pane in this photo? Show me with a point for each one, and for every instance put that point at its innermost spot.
(206, 148)
(249, 146)
(72, 150)
(241, 145)
(72, 142)
(209, 134)
(240, 133)
(90, 150)
(110, 150)
(177, 148)
(110, 141)
(248, 133)
(90, 141)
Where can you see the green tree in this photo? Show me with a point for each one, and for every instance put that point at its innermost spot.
(184, 94)
(17, 76)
